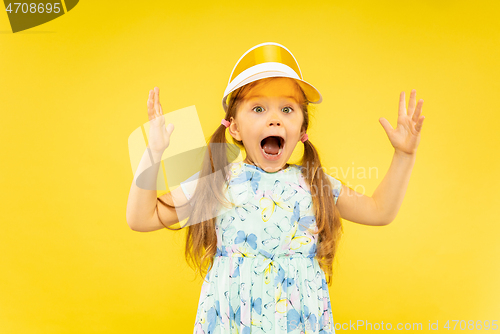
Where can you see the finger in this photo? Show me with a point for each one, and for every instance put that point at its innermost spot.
(170, 128)
(150, 103)
(155, 112)
(168, 133)
(412, 103)
(420, 122)
(386, 125)
(149, 98)
(402, 108)
(160, 110)
(157, 100)
(418, 111)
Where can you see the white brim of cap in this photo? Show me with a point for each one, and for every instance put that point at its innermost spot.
(312, 94)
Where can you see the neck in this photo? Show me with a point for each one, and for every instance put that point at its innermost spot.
(252, 163)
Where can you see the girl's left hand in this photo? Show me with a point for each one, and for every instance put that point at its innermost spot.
(406, 137)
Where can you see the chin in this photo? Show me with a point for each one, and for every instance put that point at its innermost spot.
(272, 169)
(272, 166)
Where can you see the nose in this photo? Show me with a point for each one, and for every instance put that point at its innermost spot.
(274, 122)
(274, 119)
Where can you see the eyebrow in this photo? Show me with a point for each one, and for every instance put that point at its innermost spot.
(261, 96)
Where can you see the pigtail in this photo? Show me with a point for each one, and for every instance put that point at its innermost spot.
(201, 236)
(328, 219)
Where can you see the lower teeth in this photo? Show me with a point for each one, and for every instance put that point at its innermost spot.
(279, 152)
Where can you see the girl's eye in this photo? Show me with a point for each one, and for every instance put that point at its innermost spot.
(286, 109)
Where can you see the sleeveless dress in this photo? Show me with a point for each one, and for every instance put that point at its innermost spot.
(265, 278)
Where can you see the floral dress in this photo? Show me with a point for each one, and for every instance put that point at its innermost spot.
(265, 277)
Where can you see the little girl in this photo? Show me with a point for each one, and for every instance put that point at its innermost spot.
(266, 231)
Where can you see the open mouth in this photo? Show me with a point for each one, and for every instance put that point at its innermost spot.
(272, 147)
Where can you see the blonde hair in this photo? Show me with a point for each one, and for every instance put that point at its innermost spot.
(201, 238)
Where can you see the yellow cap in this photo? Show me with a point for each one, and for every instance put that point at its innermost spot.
(267, 60)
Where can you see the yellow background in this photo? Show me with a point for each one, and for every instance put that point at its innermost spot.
(72, 91)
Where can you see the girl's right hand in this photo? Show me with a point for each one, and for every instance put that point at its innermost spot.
(159, 136)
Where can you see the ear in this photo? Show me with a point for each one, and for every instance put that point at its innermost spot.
(302, 132)
(233, 129)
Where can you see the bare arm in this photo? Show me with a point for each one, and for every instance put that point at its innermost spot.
(142, 201)
(383, 206)
(141, 205)
(389, 194)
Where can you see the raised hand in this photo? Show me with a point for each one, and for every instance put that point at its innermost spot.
(159, 136)
(406, 137)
